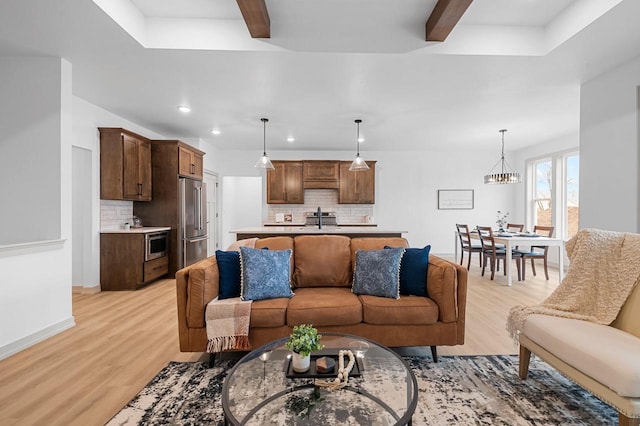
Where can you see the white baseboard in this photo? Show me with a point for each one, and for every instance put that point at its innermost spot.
(30, 340)
(78, 289)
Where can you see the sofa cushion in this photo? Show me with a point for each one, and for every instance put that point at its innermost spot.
(265, 273)
(606, 354)
(375, 243)
(408, 310)
(279, 243)
(229, 269)
(324, 306)
(413, 271)
(378, 272)
(322, 261)
(269, 312)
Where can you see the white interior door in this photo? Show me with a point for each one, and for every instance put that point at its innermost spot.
(213, 218)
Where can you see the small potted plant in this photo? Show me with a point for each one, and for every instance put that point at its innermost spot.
(304, 340)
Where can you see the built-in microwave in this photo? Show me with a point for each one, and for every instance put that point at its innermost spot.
(155, 245)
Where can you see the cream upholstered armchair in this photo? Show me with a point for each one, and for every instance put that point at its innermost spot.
(603, 359)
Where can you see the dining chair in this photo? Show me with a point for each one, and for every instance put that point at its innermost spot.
(466, 245)
(537, 252)
(494, 254)
(515, 227)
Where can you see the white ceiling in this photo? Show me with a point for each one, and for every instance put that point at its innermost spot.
(515, 64)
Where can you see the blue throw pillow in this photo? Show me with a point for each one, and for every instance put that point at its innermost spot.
(229, 269)
(378, 272)
(265, 273)
(413, 271)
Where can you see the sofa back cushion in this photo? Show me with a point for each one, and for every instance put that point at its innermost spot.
(322, 261)
(628, 319)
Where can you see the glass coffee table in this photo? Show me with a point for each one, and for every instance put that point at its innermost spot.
(260, 389)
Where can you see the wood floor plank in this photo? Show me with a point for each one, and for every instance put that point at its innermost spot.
(86, 374)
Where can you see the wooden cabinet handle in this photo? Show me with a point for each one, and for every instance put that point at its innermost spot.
(139, 189)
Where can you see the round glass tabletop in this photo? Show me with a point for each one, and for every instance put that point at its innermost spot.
(262, 389)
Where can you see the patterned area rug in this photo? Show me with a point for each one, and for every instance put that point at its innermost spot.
(469, 390)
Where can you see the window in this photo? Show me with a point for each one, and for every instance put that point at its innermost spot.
(572, 204)
(542, 193)
(554, 193)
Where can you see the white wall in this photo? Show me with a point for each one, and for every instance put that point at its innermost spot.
(35, 285)
(86, 120)
(29, 155)
(406, 189)
(609, 155)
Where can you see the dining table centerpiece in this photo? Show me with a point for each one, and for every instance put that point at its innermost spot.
(302, 342)
(502, 221)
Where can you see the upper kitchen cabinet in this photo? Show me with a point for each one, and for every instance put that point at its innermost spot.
(125, 165)
(285, 183)
(357, 187)
(320, 174)
(190, 161)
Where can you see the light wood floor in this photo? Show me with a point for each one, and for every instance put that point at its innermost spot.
(84, 375)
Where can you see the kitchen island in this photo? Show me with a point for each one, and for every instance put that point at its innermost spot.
(292, 231)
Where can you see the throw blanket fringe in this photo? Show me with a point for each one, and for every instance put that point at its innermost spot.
(603, 272)
(222, 343)
(228, 324)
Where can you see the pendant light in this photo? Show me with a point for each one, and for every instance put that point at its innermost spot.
(506, 175)
(358, 163)
(264, 162)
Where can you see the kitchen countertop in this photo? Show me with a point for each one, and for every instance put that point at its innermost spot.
(143, 230)
(351, 231)
(300, 224)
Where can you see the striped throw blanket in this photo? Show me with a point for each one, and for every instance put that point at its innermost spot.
(228, 324)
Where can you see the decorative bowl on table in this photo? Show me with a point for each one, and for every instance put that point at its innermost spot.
(358, 347)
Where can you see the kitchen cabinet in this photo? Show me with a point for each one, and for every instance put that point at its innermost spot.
(357, 187)
(171, 160)
(125, 165)
(122, 264)
(285, 183)
(190, 161)
(321, 174)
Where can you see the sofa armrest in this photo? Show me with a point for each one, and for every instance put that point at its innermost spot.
(447, 286)
(196, 286)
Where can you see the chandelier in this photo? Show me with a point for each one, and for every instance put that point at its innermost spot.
(506, 175)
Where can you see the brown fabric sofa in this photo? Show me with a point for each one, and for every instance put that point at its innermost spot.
(322, 274)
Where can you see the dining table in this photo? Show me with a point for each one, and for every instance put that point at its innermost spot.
(515, 239)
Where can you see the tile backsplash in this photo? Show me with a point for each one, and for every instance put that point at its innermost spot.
(327, 200)
(113, 214)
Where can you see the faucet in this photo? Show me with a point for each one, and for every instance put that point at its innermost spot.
(319, 213)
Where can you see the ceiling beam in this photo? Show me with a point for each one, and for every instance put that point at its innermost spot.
(444, 17)
(256, 17)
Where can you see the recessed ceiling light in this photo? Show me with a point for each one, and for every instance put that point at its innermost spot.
(215, 132)
(184, 108)
(291, 139)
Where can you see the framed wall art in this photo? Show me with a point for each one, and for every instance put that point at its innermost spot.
(455, 199)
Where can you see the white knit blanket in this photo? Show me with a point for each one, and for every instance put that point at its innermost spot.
(604, 269)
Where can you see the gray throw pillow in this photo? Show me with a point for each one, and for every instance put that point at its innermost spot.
(378, 272)
(265, 274)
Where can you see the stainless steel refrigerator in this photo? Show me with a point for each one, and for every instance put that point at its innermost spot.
(192, 221)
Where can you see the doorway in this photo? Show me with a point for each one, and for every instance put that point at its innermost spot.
(81, 197)
(213, 218)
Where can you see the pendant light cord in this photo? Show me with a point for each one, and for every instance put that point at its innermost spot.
(264, 136)
(502, 158)
(358, 138)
